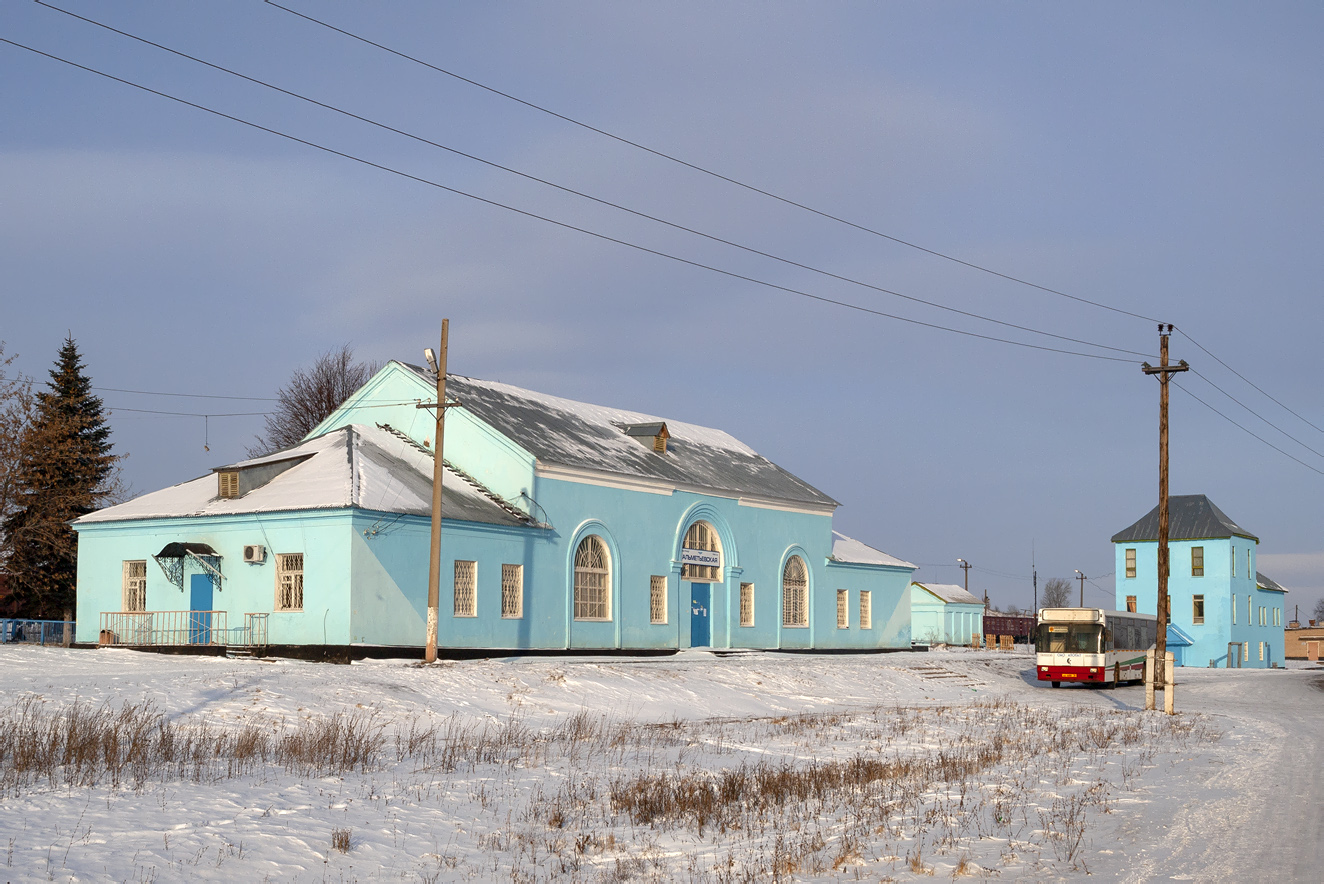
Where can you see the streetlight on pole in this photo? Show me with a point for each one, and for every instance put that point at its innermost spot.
(966, 566)
(1081, 577)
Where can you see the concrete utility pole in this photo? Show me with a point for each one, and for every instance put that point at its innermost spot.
(434, 559)
(1164, 373)
(1081, 577)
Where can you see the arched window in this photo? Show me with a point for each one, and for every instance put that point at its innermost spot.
(795, 593)
(592, 580)
(702, 537)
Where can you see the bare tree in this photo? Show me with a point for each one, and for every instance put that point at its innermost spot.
(1319, 611)
(16, 407)
(1057, 593)
(310, 396)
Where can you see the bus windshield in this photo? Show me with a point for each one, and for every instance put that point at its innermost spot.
(1070, 638)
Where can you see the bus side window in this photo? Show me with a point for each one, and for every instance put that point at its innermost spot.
(1108, 639)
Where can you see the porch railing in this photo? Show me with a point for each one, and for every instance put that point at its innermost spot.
(139, 628)
(175, 628)
(36, 632)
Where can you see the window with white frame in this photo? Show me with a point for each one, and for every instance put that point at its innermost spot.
(702, 536)
(866, 609)
(289, 581)
(1250, 609)
(135, 586)
(1234, 609)
(843, 609)
(1261, 650)
(512, 591)
(1277, 616)
(657, 599)
(466, 588)
(795, 593)
(1197, 609)
(1261, 615)
(1130, 563)
(746, 604)
(1245, 652)
(592, 580)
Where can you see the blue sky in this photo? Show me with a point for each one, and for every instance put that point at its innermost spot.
(1163, 159)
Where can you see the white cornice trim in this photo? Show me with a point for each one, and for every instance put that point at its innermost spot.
(605, 480)
(809, 509)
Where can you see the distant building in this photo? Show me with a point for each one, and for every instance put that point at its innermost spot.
(1217, 597)
(1304, 642)
(565, 526)
(944, 613)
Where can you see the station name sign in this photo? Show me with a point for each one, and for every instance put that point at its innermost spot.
(708, 558)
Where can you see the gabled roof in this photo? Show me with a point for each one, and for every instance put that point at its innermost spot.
(1268, 583)
(353, 466)
(1175, 636)
(1190, 517)
(949, 593)
(578, 435)
(848, 549)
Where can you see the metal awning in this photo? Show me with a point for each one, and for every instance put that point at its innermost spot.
(173, 556)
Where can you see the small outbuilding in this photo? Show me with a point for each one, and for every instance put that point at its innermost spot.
(944, 613)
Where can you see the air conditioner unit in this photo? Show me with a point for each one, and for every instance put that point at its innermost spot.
(255, 553)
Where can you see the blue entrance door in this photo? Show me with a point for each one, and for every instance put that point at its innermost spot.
(700, 629)
(199, 602)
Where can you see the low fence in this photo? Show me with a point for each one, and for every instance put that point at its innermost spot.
(36, 632)
(179, 628)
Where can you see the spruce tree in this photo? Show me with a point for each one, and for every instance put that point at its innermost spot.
(65, 470)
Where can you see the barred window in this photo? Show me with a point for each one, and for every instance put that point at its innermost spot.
(289, 581)
(843, 609)
(657, 599)
(702, 535)
(1130, 563)
(466, 588)
(746, 604)
(866, 609)
(1197, 561)
(592, 580)
(795, 593)
(135, 586)
(512, 591)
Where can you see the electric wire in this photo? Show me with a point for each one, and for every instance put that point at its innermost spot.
(563, 224)
(587, 196)
(113, 409)
(1244, 429)
(1257, 414)
(1300, 417)
(187, 395)
(697, 168)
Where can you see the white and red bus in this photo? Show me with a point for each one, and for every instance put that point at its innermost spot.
(1092, 645)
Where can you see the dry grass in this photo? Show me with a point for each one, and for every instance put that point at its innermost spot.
(592, 797)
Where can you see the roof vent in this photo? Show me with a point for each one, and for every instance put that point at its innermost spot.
(654, 435)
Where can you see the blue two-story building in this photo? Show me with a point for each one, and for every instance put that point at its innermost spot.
(565, 526)
(1219, 603)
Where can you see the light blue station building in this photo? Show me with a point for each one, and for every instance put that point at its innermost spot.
(1220, 604)
(565, 526)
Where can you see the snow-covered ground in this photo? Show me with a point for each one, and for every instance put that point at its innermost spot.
(697, 767)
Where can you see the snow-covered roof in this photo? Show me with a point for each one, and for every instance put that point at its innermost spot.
(950, 593)
(353, 466)
(1264, 582)
(567, 433)
(848, 549)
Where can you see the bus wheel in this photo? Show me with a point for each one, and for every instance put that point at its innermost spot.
(1057, 684)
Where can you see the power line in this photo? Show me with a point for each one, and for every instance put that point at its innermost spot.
(1257, 414)
(569, 190)
(114, 409)
(1188, 337)
(563, 224)
(697, 168)
(1244, 429)
(186, 395)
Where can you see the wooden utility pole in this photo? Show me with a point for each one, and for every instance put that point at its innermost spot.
(1164, 373)
(1081, 578)
(434, 559)
(965, 566)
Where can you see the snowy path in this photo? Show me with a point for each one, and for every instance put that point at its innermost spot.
(1245, 807)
